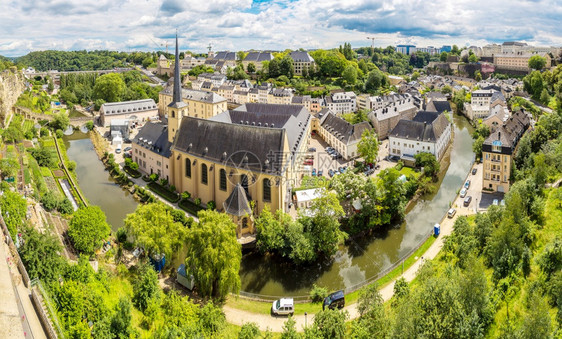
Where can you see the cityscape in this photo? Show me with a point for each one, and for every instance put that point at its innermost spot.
(280, 169)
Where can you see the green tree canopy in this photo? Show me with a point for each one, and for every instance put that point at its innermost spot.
(41, 255)
(368, 146)
(537, 62)
(88, 228)
(109, 87)
(152, 226)
(214, 254)
(428, 162)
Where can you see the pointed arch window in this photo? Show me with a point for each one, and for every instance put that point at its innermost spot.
(204, 178)
(266, 190)
(222, 183)
(187, 167)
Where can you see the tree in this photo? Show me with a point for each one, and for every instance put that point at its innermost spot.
(473, 58)
(251, 67)
(152, 226)
(109, 87)
(14, 208)
(290, 329)
(49, 201)
(477, 146)
(373, 322)
(428, 162)
(443, 56)
(249, 331)
(88, 227)
(330, 324)
(121, 320)
(64, 206)
(41, 255)
(368, 147)
(214, 254)
(12, 134)
(477, 76)
(537, 62)
(350, 75)
(61, 121)
(9, 167)
(286, 66)
(375, 80)
(324, 225)
(145, 287)
(45, 157)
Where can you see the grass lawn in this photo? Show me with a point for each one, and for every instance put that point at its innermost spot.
(407, 171)
(46, 172)
(265, 307)
(27, 125)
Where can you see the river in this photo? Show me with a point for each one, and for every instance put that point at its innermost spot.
(358, 260)
(96, 183)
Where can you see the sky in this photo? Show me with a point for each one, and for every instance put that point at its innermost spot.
(130, 25)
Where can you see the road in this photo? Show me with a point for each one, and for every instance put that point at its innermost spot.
(275, 324)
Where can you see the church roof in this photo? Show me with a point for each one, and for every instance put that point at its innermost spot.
(237, 202)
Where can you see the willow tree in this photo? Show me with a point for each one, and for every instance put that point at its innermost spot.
(214, 254)
(152, 226)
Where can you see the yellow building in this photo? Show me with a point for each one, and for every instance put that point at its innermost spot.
(200, 104)
(498, 150)
(518, 61)
(262, 153)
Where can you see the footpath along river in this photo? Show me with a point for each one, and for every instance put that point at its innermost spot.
(360, 259)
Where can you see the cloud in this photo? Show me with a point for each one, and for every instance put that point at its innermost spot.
(271, 24)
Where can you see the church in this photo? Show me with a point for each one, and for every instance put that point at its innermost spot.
(242, 159)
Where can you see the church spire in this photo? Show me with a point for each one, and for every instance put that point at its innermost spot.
(177, 97)
(177, 76)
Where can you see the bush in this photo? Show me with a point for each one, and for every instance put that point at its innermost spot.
(317, 294)
(121, 235)
(249, 331)
(198, 202)
(71, 165)
(211, 205)
(49, 201)
(153, 177)
(59, 133)
(65, 206)
(185, 195)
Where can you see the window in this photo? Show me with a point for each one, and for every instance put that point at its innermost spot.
(222, 185)
(244, 222)
(173, 114)
(187, 167)
(266, 190)
(204, 178)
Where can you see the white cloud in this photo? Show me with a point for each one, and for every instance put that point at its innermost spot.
(276, 24)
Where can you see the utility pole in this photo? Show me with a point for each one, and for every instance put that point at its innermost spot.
(372, 45)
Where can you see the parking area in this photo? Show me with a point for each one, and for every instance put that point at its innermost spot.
(119, 157)
(480, 200)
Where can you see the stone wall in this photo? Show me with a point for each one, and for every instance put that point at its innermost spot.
(11, 86)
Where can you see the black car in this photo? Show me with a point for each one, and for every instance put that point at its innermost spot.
(336, 299)
(474, 171)
(467, 201)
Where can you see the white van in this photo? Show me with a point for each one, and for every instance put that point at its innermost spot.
(284, 306)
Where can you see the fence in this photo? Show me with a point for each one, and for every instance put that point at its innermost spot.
(43, 316)
(41, 298)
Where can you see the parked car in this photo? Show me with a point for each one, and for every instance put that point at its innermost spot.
(502, 202)
(495, 202)
(128, 148)
(467, 184)
(314, 172)
(283, 306)
(336, 299)
(451, 213)
(320, 173)
(474, 170)
(309, 162)
(463, 193)
(467, 201)
(118, 149)
(331, 173)
(312, 149)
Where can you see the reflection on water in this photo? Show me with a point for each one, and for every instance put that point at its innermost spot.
(96, 183)
(364, 257)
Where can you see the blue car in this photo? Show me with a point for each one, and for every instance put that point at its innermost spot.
(314, 172)
(467, 184)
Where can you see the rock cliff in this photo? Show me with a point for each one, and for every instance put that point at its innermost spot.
(11, 86)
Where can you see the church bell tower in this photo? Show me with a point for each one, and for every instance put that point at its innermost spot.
(177, 109)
